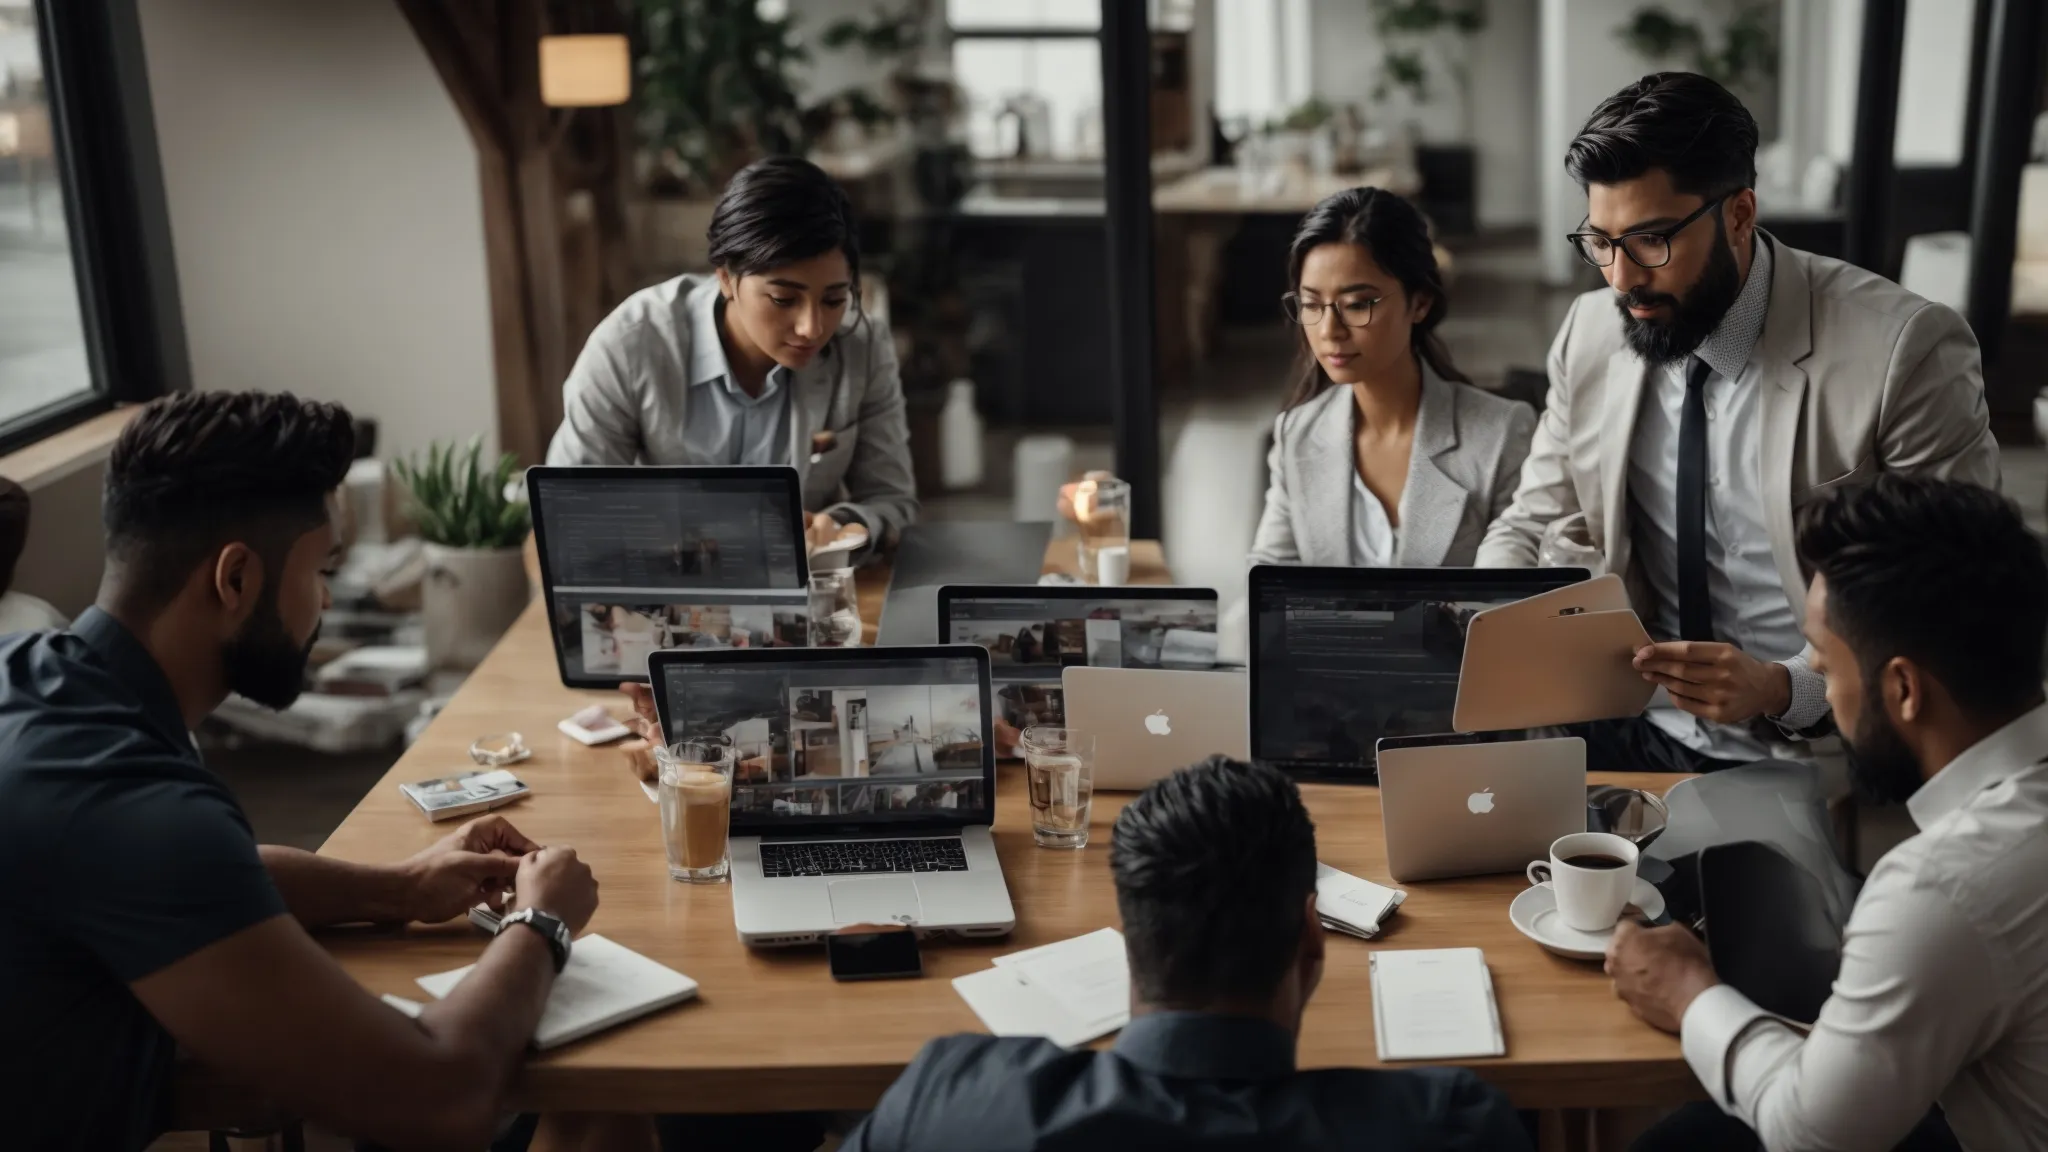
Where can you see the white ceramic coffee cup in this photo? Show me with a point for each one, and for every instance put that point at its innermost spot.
(1588, 899)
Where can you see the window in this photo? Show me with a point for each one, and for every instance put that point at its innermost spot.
(43, 361)
(88, 298)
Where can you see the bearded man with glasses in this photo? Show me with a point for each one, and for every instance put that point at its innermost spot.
(1721, 380)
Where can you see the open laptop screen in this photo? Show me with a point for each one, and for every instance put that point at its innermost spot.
(840, 736)
(634, 560)
(1343, 657)
(1033, 633)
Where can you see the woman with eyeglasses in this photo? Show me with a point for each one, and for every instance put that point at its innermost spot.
(766, 361)
(1385, 455)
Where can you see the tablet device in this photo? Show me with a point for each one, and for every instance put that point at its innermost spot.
(1533, 670)
(1769, 929)
(635, 560)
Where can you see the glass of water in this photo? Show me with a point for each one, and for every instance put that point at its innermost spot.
(1061, 767)
(835, 609)
(1568, 543)
(696, 807)
(1102, 508)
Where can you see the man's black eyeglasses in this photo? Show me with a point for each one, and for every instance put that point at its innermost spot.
(1650, 248)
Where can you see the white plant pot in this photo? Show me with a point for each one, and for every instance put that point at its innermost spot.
(471, 596)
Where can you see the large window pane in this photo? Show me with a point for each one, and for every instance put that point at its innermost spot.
(1017, 90)
(971, 14)
(42, 334)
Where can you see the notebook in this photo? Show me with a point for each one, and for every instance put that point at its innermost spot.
(1070, 993)
(1434, 1004)
(1353, 905)
(605, 984)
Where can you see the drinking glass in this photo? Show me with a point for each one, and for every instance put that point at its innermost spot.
(696, 807)
(835, 609)
(1061, 767)
(1568, 543)
(1102, 508)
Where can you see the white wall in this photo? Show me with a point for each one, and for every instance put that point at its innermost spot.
(1581, 64)
(324, 211)
(1934, 82)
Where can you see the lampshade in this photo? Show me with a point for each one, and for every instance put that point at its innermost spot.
(584, 71)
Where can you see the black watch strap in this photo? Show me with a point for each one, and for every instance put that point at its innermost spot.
(551, 929)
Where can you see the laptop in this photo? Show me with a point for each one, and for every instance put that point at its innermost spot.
(1342, 658)
(1455, 805)
(865, 786)
(1035, 632)
(1149, 722)
(635, 560)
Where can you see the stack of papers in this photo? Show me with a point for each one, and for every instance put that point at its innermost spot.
(605, 984)
(1070, 992)
(1351, 905)
(1434, 1004)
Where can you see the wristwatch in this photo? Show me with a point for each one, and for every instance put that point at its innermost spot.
(551, 929)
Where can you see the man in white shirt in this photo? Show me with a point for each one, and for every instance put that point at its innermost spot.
(1927, 609)
(1721, 381)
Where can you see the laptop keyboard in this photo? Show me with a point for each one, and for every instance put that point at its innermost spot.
(859, 857)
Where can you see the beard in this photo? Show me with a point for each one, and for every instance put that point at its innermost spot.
(1881, 768)
(264, 663)
(1693, 316)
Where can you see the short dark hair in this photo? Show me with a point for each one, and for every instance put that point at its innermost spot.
(1941, 572)
(195, 471)
(1213, 868)
(1684, 123)
(779, 210)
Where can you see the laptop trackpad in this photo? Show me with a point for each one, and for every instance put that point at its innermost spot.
(881, 900)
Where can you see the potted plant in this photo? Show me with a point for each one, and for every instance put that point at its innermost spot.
(474, 529)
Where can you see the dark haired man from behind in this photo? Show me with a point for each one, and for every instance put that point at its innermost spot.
(1721, 379)
(1225, 951)
(141, 916)
(1927, 607)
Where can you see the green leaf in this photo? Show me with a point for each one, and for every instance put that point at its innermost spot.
(458, 502)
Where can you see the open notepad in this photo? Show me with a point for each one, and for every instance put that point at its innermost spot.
(604, 984)
(1070, 992)
(1434, 1004)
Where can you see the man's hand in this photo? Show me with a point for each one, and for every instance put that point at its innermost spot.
(474, 864)
(1659, 972)
(645, 721)
(556, 882)
(1717, 682)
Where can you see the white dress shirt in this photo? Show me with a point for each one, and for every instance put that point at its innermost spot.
(1750, 608)
(1372, 534)
(1943, 990)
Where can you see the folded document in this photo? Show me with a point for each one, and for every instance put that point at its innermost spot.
(1352, 905)
(1070, 992)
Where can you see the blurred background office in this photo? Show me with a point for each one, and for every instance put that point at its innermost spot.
(1076, 216)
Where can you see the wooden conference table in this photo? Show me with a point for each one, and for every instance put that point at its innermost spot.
(772, 1031)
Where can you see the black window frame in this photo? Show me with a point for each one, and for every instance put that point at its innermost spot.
(103, 129)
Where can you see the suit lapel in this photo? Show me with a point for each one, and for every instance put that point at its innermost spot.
(809, 401)
(1328, 463)
(1618, 407)
(1786, 343)
(1432, 504)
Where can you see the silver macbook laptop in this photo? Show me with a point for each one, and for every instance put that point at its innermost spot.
(865, 785)
(1472, 805)
(1147, 722)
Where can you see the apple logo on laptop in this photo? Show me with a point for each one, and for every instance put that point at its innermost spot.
(1480, 802)
(1158, 724)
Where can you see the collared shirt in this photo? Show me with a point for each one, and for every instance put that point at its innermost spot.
(1750, 607)
(1175, 1080)
(123, 855)
(1943, 989)
(1372, 534)
(721, 423)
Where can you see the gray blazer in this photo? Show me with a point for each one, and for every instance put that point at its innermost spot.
(624, 402)
(1467, 459)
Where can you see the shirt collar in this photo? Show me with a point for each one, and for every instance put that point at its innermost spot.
(134, 667)
(1207, 1046)
(1728, 347)
(1992, 760)
(707, 349)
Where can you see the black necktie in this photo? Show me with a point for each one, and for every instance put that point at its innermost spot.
(1695, 611)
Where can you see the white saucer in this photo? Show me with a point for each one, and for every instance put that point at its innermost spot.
(1534, 913)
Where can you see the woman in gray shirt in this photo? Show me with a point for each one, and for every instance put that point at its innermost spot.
(766, 361)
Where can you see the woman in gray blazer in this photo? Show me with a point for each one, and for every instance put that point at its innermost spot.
(1385, 455)
(767, 361)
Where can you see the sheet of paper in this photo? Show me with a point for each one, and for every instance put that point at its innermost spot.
(605, 984)
(1353, 900)
(1434, 1004)
(1084, 982)
(1010, 1006)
